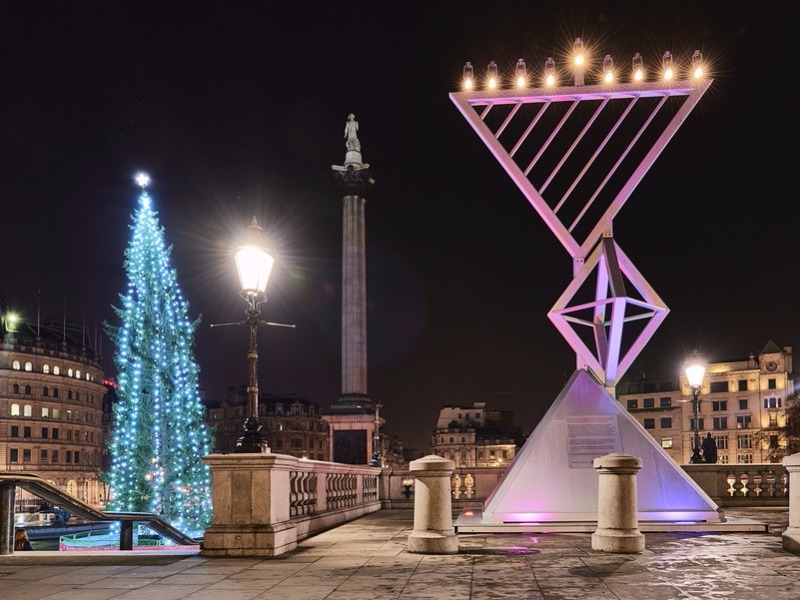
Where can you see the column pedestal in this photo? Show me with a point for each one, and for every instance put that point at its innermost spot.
(433, 513)
(617, 522)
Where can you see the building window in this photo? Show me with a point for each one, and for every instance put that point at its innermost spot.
(54, 454)
(55, 434)
(45, 432)
(666, 401)
(721, 441)
(700, 424)
(77, 374)
(279, 443)
(649, 423)
(15, 388)
(77, 457)
(69, 372)
(43, 456)
(26, 431)
(26, 455)
(56, 370)
(69, 394)
(45, 392)
(28, 390)
(45, 412)
(716, 387)
(744, 441)
(719, 405)
(68, 458)
(15, 431)
(773, 441)
(742, 403)
(633, 404)
(773, 419)
(744, 459)
(45, 369)
(15, 365)
(29, 366)
(666, 423)
(56, 413)
(55, 392)
(722, 459)
(720, 422)
(297, 443)
(743, 422)
(27, 410)
(13, 455)
(648, 403)
(15, 410)
(772, 402)
(666, 442)
(742, 385)
(771, 384)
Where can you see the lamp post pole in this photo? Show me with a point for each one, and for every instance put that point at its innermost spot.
(252, 440)
(696, 456)
(376, 439)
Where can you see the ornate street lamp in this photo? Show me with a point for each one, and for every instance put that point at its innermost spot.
(254, 264)
(695, 369)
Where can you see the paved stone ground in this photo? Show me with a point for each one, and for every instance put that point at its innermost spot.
(367, 559)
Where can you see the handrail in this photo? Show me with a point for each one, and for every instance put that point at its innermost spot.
(58, 497)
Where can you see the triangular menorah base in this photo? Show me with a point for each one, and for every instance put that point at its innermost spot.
(552, 479)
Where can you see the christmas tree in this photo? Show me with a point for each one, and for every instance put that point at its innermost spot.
(159, 434)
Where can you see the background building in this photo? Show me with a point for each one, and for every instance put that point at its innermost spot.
(742, 403)
(475, 436)
(291, 425)
(51, 399)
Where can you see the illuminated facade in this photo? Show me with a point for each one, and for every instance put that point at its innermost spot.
(291, 425)
(474, 436)
(51, 398)
(742, 406)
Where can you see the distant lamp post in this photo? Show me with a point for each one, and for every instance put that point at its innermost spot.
(376, 439)
(408, 483)
(695, 370)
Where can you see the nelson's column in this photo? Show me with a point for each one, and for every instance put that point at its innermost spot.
(354, 418)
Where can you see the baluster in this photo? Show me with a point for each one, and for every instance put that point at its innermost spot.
(456, 486)
(731, 480)
(770, 483)
(744, 478)
(757, 481)
(469, 483)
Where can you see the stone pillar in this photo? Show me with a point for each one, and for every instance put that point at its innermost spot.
(433, 513)
(791, 537)
(250, 498)
(617, 523)
(8, 494)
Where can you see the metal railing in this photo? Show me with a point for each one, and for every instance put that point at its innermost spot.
(58, 497)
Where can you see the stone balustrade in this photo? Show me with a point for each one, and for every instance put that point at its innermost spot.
(264, 503)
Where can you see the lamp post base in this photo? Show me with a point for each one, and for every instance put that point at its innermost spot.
(252, 441)
(696, 458)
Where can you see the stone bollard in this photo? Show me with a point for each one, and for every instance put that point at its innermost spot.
(433, 513)
(791, 537)
(617, 523)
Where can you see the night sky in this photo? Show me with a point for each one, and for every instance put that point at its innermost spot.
(238, 109)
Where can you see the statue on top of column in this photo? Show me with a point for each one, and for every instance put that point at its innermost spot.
(351, 134)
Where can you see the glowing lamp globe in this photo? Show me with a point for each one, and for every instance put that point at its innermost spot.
(695, 369)
(254, 264)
